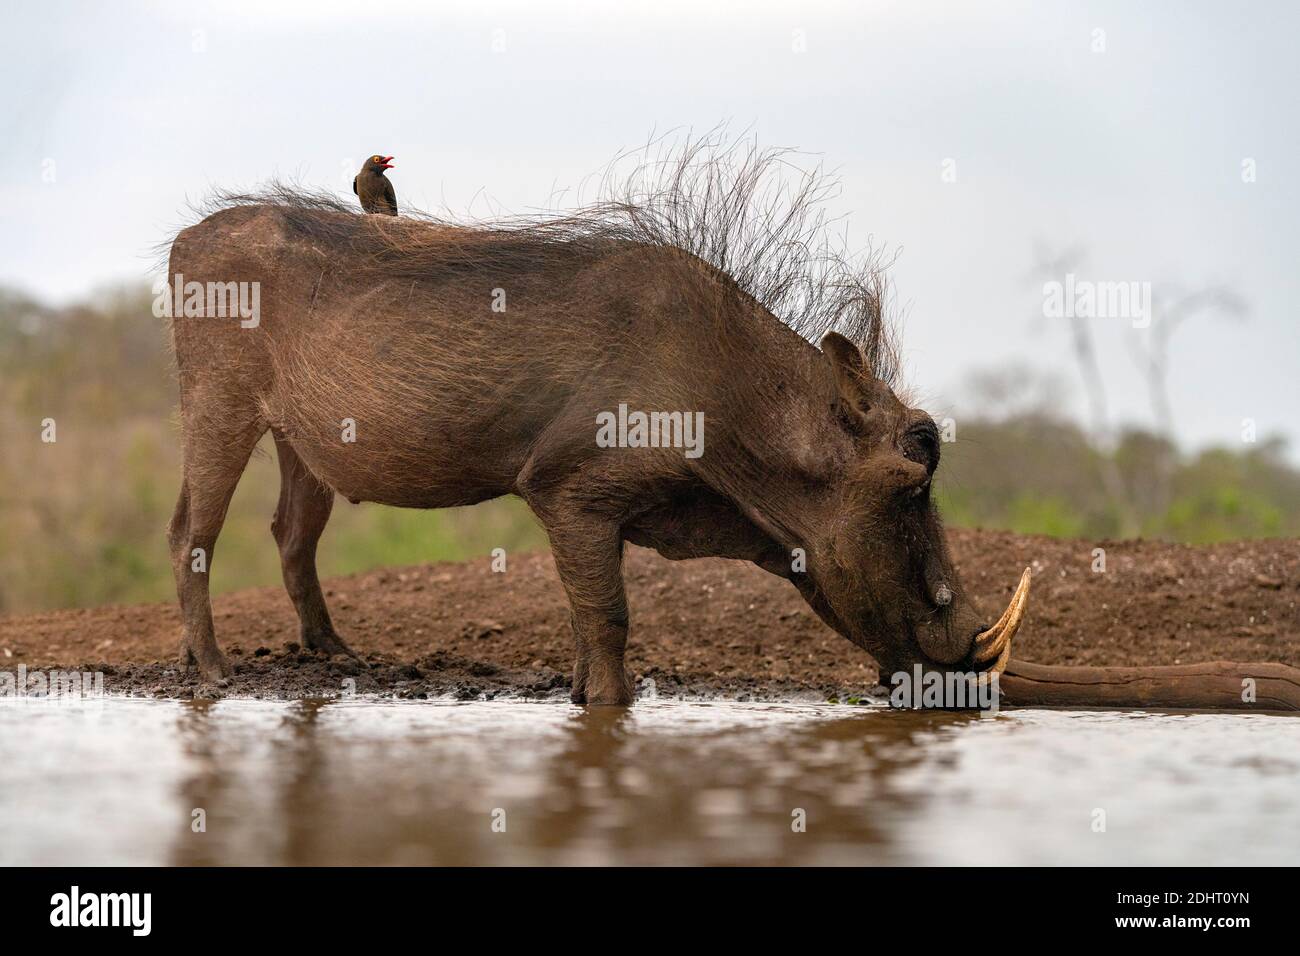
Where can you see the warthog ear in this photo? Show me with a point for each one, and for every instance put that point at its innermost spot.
(847, 368)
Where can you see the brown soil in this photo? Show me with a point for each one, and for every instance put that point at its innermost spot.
(700, 628)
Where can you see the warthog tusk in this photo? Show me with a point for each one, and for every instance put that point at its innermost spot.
(995, 643)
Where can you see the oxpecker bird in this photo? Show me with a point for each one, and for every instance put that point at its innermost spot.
(373, 188)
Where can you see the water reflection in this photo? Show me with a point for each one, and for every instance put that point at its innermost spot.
(370, 782)
(546, 783)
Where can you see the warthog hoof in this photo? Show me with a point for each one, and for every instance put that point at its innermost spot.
(329, 644)
(212, 664)
(602, 684)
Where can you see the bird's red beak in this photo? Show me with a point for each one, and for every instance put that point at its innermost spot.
(388, 163)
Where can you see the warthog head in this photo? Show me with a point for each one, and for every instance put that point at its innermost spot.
(883, 572)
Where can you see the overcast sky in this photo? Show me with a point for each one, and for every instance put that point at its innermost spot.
(964, 133)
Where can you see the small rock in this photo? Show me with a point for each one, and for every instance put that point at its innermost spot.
(482, 630)
(345, 665)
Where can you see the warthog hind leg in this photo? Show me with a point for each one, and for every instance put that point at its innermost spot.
(300, 517)
(216, 452)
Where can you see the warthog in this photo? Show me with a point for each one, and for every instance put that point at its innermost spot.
(423, 364)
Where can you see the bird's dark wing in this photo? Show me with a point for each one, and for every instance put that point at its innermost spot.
(391, 195)
(354, 185)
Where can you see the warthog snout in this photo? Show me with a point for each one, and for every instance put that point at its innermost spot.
(954, 636)
(952, 639)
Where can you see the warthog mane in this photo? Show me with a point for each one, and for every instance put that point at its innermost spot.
(754, 214)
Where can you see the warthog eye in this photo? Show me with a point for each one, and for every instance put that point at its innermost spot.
(921, 445)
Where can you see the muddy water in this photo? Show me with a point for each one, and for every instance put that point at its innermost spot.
(373, 782)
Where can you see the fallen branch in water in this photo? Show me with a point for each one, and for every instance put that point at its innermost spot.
(1216, 685)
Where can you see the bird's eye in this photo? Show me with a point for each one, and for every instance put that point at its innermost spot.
(374, 159)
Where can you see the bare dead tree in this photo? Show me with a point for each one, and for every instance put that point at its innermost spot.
(1054, 266)
(1168, 315)
(1151, 352)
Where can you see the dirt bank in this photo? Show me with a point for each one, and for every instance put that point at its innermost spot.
(702, 628)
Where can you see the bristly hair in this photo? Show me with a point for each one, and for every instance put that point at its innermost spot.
(752, 213)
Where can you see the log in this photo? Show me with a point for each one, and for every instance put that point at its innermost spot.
(1217, 685)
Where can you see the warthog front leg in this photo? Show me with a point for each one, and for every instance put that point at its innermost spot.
(589, 558)
(214, 460)
(599, 674)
